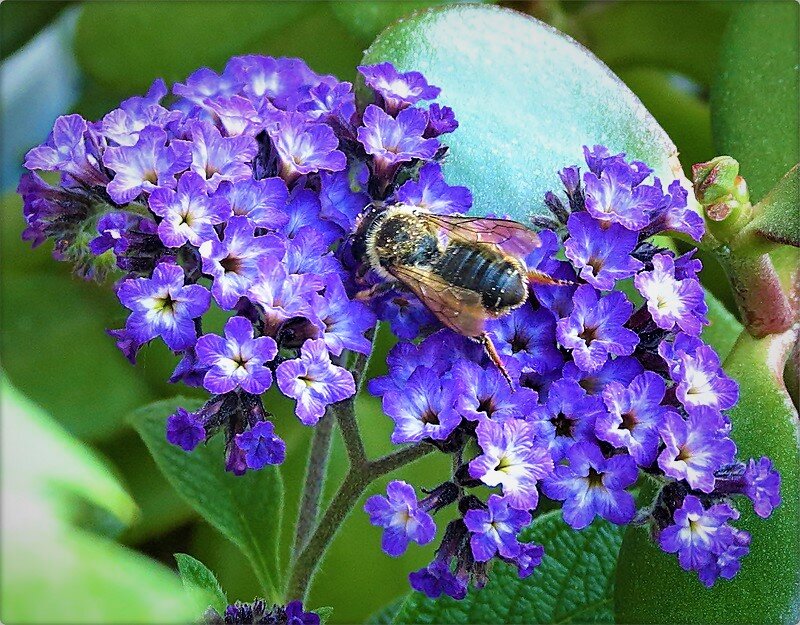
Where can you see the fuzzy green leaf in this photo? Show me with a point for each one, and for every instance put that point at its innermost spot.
(197, 575)
(756, 94)
(652, 588)
(54, 569)
(247, 509)
(527, 97)
(574, 583)
(778, 215)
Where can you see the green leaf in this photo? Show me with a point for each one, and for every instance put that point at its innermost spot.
(652, 588)
(385, 616)
(778, 214)
(633, 34)
(574, 583)
(52, 569)
(527, 98)
(325, 613)
(56, 324)
(366, 19)
(677, 105)
(161, 510)
(171, 40)
(19, 21)
(247, 509)
(723, 328)
(754, 100)
(195, 574)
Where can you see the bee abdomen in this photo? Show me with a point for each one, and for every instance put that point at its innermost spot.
(497, 279)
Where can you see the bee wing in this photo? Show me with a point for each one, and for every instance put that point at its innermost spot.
(509, 237)
(457, 308)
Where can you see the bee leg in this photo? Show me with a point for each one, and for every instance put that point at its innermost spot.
(376, 290)
(539, 277)
(491, 351)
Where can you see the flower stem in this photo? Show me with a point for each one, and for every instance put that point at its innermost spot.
(354, 485)
(764, 306)
(316, 471)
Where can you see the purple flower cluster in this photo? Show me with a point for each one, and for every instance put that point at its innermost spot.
(240, 194)
(259, 612)
(602, 390)
(235, 193)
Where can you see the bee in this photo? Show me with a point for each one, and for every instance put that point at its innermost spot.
(465, 270)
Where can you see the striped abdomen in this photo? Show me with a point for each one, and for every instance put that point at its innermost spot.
(477, 268)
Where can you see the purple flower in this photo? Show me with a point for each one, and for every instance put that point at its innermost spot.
(338, 202)
(529, 337)
(326, 101)
(237, 115)
(147, 164)
(163, 306)
(762, 486)
(592, 485)
(185, 429)
(695, 449)
(295, 615)
(621, 369)
(216, 158)
(513, 459)
(399, 513)
(261, 446)
(441, 120)
(698, 534)
(484, 394)
(393, 141)
(314, 381)
(279, 295)
(612, 197)
(567, 417)
(594, 330)
(634, 416)
(122, 125)
(423, 408)
(305, 148)
(671, 301)
(344, 322)
(112, 228)
(66, 151)
(404, 358)
(308, 253)
(205, 83)
(602, 252)
(398, 90)
(530, 556)
(673, 213)
(701, 381)
(494, 530)
(437, 579)
(187, 214)
(405, 313)
(735, 544)
(430, 192)
(233, 261)
(238, 360)
(304, 210)
(263, 202)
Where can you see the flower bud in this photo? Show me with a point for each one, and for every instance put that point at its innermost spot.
(723, 194)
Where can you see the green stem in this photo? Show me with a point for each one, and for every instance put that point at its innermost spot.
(316, 471)
(354, 485)
(763, 304)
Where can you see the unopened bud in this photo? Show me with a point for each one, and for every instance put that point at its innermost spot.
(723, 194)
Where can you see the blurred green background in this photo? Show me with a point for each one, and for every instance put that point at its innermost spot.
(60, 57)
